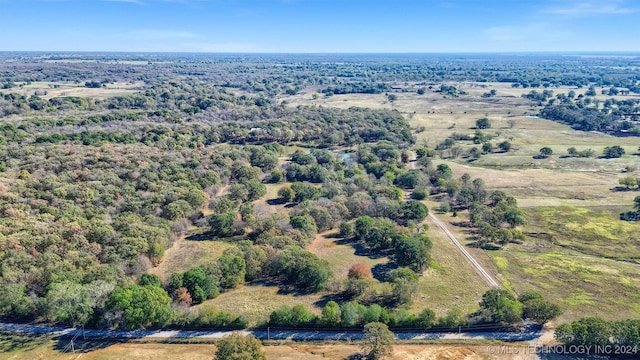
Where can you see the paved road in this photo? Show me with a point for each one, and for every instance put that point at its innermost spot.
(531, 335)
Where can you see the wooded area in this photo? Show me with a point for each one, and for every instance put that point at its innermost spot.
(95, 189)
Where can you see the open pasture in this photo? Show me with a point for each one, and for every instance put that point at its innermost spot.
(18, 347)
(48, 90)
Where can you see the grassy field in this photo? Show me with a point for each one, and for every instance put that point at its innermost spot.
(186, 254)
(450, 282)
(582, 285)
(580, 257)
(72, 89)
(591, 231)
(340, 254)
(442, 116)
(257, 301)
(18, 347)
(552, 187)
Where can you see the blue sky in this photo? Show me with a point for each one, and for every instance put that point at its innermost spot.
(320, 25)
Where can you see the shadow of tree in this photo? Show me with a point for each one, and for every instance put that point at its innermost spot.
(484, 245)
(201, 237)
(362, 250)
(380, 271)
(462, 224)
(10, 342)
(278, 201)
(624, 189)
(326, 298)
(76, 343)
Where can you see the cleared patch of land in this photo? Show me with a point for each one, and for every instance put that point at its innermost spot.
(582, 285)
(341, 254)
(591, 231)
(185, 254)
(48, 90)
(550, 187)
(18, 347)
(451, 281)
(256, 301)
(585, 259)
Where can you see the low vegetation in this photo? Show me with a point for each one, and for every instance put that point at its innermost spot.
(596, 332)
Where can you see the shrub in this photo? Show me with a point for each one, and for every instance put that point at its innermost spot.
(360, 271)
(483, 123)
(150, 279)
(138, 306)
(611, 152)
(302, 269)
(419, 194)
(346, 229)
(286, 193)
(223, 225)
(237, 346)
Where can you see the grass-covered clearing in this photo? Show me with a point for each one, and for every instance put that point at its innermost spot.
(20, 347)
(451, 281)
(597, 232)
(584, 259)
(60, 89)
(256, 301)
(185, 254)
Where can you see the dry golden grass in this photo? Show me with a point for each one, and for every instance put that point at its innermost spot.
(506, 90)
(545, 187)
(73, 89)
(340, 254)
(262, 205)
(401, 352)
(374, 101)
(46, 348)
(185, 254)
(256, 301)
(450, 282)
(153, 352)
(281, 352)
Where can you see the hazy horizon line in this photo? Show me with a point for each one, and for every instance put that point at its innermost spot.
(573, 52)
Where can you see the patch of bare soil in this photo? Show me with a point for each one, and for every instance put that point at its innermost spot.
(343, 351)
